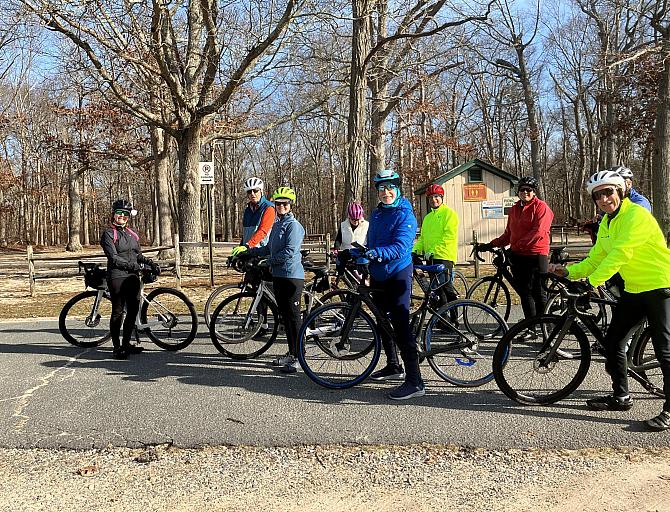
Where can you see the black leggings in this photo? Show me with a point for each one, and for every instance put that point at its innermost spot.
(527, 282)
(288, 293)
(125, 293)
(630, 309)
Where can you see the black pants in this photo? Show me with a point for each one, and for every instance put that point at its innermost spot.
(527, 282)
(447, 292)
(288, 293)
(393, 299)
(630, 309)
(125, 293)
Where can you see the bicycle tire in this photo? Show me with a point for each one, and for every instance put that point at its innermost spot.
(460, 284)
(646, 365)
(462, 352)
(493, 293)
(237, 333)
(176, 321)
(75, 325)
(513, 353)
(323, 353)
(219, 293)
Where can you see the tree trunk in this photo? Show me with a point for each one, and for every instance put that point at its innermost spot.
(529, 100)
(661, 156)
(161, 148)
(190, 224)
(74, 213)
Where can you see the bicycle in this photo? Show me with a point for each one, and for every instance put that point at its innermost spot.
(339, 344)
(245, 324)
(544, 359)
(492, 290)
(455, 276)
(166, 315)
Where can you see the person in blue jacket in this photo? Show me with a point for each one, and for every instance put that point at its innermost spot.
(288, 274)
(631, 193)
(391, 234)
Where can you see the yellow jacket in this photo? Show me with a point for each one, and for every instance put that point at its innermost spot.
(439, 234)
(632, 244)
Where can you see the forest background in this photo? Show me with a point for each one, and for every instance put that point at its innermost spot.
(102, 99)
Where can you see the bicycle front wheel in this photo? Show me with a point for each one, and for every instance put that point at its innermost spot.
(241, 331)
(216, 297)
(83, 323)
(494, 293)
(525, 368)
(460, 283)
(461, 352)
(337, 350)
(169, 318)
(646, 365)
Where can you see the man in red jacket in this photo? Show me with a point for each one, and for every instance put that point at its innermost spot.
(527, 234)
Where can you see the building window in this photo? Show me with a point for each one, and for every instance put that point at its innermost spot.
(475, 175)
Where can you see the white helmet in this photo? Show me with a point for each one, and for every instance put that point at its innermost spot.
(253, 183)
(624, 172)
(607, 177)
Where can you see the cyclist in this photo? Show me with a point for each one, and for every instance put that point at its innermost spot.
(124, 257)
(390, 237)
(258, 218)
(353, 229)
(438, 241)
(631, 193)
(630, 242)
(288, 274)
(528, 234)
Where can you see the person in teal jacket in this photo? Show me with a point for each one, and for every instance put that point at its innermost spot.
(390, 237)
(438, 241)
(630, 242)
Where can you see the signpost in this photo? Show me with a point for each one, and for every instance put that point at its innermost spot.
(206, 171)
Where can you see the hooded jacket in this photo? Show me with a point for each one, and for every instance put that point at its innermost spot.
(528, 228)
(439, 234)
(283, 248)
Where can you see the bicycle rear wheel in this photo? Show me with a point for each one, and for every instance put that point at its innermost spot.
(172, 322)
(216, 297)
(460, 284)
(646, 365)
(523, 369)
(461, 352)
(84, 325)
(494, 293)
(335, 358)
(240, 331)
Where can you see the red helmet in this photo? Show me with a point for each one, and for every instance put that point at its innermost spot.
(435, 189)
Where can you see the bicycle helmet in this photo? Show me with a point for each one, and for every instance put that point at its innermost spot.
(435, 189)
(286, 193)
(528, 181)
(125, 205)
(622, 171)
(387, 176)
(606, 177)
(355, 211)
(253, 183)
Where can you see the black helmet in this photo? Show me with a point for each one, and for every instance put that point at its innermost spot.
(528, 181)
(123, 204)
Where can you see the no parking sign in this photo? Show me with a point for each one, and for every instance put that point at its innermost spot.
(206, 171)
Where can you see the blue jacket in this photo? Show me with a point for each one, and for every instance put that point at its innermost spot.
(283, 248)
(252, 219)
(391, 232)
(638, 198)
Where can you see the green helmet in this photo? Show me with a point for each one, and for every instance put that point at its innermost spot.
(286, 193)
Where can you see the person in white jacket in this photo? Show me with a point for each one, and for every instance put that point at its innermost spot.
(352, 229)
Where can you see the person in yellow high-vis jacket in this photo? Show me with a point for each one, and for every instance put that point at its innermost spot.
(631, 243)
(438, 240)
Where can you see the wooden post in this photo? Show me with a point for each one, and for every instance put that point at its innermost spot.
(177, 260)
(474, 241)
(327, 250)
(31, 270)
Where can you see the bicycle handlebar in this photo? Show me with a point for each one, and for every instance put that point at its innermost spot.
(569, 289)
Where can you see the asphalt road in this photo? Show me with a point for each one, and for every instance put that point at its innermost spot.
(56, 395)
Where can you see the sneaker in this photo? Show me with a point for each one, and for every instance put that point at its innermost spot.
(290, 367)
(597, 348)
(406, 391)
(134, 349)
(282, 360)
(610, 403)
(120, 353)
(529, 336)
(659, 423)
(388, 372)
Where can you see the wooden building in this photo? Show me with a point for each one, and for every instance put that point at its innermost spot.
(479, 193)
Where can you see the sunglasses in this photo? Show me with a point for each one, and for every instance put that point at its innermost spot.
(254, 191)
(385, 187)
(525, 189)
(122, 212)
(282, 203)
(602, 193)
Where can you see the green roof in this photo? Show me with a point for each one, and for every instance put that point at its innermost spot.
(443, 178)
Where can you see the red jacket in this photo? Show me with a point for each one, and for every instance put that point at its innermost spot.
(528, 227)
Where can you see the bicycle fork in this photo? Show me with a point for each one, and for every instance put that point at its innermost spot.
(93, 319)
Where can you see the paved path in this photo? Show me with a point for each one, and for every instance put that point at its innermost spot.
(55, 395)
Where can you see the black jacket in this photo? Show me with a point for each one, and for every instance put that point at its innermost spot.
(124, 256)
